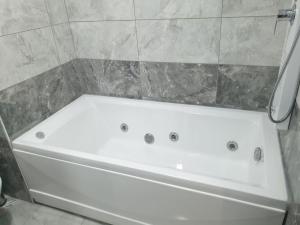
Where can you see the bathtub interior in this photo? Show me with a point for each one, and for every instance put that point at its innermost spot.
(91, 125)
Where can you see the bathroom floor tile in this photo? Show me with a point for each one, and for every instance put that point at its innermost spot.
(18, 212)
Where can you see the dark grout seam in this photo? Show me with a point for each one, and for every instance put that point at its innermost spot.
(53, 34)
(73, 40)
(136, 32)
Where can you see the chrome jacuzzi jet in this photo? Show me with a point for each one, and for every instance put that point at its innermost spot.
(124, 127)
(173, 136)
(40, 135)
(232, 146)
(258, 154)
(149, 138)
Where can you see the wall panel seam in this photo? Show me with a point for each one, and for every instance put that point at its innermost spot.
(136, 32)
(53, 36)
(71, 31)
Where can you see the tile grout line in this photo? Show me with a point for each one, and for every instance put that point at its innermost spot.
(91, 21)
(73, 40)
(220, 37)
(219, 54)
(52, 31)
(179, 18)
(140, 92)
(32, 29)
(136, 33)
(24, 31)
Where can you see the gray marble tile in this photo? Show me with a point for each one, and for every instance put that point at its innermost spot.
(12, 180)
(21, 15)
(118, 43)
(177, 82)
(75, 80)
(251, 41)
(290, 142)
(58, 87)
(191, 41)
(26, 55)
(246, 87)
(24, 105)
(57, 11)
(64, 42)
(93, 10)
(113, 78)
(120, 78)
(239, 8)
(168, 9)
(92, 70)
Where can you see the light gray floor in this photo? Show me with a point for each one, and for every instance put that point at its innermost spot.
(17, 212)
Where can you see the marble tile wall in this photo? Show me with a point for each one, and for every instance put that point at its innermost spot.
(290, 142)
(238, 32)
(12, 180)
(179, 82)
(35, 36)
(189, 41)
(251, 41)
(244, 87)
(118, 43)
(247, 87)
(25, 104)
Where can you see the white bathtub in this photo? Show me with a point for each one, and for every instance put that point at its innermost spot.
(87, 165)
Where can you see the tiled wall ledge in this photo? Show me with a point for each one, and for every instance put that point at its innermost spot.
(233, 86)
